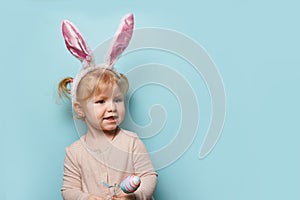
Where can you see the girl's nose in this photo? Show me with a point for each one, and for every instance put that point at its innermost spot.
(111, 107)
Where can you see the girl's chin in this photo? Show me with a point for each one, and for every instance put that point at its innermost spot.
(111, 130)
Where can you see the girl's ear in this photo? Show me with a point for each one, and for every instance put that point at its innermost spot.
(78, 109)
(121, 40)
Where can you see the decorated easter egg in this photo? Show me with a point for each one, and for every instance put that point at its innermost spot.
(130, 184)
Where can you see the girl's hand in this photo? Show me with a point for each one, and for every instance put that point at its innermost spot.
(124, 197)
(93, 197)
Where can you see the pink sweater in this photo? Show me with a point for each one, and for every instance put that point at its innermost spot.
(111, 161)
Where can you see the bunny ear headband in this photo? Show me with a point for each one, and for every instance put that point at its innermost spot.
(79, 48)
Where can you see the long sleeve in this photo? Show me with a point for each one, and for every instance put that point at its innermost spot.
(145, 170)
(72, 188)
(84, 168)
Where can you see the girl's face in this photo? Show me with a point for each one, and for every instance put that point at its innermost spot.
(105, 111)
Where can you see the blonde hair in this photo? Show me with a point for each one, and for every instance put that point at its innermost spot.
(64, 88)
(93, 83)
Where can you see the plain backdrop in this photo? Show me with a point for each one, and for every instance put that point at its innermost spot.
(255, 46)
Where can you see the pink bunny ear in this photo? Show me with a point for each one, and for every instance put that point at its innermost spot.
(121, 39)
(75, 42)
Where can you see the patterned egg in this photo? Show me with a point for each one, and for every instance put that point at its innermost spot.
(130, 184)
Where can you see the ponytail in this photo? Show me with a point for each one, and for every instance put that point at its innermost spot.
(64, 88)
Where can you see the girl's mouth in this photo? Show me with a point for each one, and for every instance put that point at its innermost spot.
(111, 118)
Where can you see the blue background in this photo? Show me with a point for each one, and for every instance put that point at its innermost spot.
(255, 45)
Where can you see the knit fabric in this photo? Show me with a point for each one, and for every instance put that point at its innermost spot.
(110, 161)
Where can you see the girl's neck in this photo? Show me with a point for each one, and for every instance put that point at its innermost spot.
(95, 138)
(112, 134)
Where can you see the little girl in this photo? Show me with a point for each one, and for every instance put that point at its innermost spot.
(97, 163)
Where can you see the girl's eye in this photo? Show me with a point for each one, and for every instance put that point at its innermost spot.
(118, 100)
(100, 102)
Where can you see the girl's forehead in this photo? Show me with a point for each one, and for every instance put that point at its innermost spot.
(109, 90)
